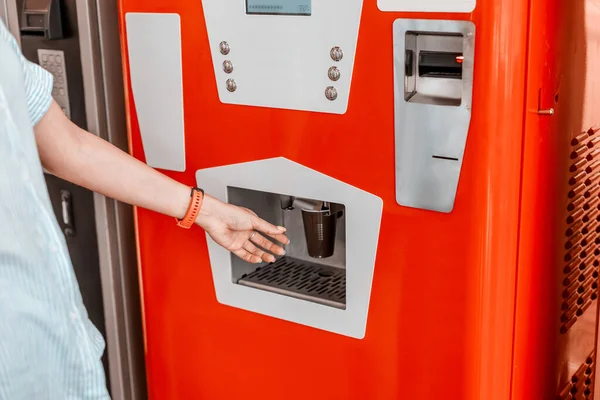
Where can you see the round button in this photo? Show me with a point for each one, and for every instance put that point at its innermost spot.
(51, 58)
(331, 93)
(58, 59)
(231, 85)
(224, 48)
(334, 73)
(336, 54)
(227, 66)
(59, 69)
(61, 92)
(61, 80)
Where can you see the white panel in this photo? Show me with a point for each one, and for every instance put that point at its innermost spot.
(363, 217)
(282, 61)
(427, 5)
(154, 45)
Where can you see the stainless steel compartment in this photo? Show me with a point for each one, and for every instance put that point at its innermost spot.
(314, 268)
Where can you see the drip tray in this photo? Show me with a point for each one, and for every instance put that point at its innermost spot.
(301, 279)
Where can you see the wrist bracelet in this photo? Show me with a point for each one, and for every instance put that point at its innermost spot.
(197, 196)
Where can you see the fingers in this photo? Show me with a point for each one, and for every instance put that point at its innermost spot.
(276, 232)
(259, 224)
(255, 251)
(250, 211)
(248, 257)
(281, 238)
(252, 254)
(266, 244)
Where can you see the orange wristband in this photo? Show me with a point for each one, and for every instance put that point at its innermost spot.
(197, 196)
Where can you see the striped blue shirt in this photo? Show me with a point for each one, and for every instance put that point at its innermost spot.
(49, 349)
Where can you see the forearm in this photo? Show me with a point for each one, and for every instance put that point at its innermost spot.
(88, 161)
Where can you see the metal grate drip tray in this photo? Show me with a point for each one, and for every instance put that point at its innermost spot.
(301, 279)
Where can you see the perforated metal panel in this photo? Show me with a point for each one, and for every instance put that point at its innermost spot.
(301, 279)
(582, 246)
(581, 385)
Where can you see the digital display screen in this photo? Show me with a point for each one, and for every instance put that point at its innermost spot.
(279, 7)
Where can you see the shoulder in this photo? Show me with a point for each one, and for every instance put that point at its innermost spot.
(37, 83)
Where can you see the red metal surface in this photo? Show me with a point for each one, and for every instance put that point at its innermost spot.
(562, 59)
(442, 315)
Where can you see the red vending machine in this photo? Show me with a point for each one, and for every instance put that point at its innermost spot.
(435, 163)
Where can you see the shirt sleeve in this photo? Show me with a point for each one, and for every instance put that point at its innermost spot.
(38, 82)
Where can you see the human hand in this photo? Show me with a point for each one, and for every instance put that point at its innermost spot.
(241, 231)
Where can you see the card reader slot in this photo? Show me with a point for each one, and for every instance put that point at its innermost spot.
(436, 64)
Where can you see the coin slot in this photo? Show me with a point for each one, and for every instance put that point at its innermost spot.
(445, 158)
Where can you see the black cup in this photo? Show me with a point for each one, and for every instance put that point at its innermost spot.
(320, 230)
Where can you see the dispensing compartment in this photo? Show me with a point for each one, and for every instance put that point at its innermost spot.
(43, 18)
(434, 68)
(314, 267)
(341, 278)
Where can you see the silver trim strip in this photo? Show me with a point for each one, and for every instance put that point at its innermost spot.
(4, 12)
(105, 111)
(8, 12)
